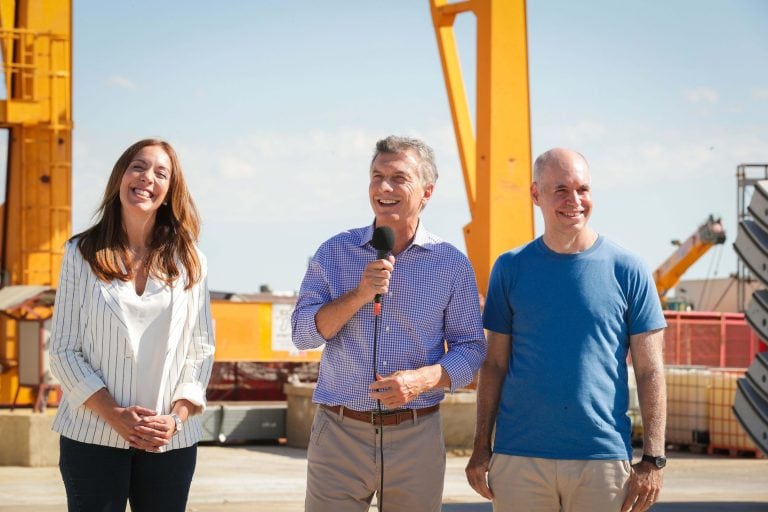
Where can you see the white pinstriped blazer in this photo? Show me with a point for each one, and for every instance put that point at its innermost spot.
(90, 349)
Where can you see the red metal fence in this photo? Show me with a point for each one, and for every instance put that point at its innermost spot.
(710, 339)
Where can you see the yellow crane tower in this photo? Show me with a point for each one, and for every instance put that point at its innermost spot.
(36, 111)
(496, 157)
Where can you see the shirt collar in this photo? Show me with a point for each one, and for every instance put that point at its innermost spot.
(422, 238)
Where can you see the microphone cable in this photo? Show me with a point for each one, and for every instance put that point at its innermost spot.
(380, 426)
(383, 241)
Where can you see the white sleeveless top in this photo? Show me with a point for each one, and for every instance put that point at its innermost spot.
(148, 318)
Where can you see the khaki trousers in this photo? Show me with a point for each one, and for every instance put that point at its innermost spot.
(343, 465)
(529, 484)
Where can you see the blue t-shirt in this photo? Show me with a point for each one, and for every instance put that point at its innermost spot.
(570, 316)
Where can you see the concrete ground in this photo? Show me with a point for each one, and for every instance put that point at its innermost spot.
(270, 478)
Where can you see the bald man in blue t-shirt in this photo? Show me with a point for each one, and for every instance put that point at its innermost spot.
(562, 312)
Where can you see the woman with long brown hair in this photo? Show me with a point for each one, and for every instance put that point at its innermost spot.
(132, 341)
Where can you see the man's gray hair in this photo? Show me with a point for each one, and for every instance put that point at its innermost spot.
(424, 155)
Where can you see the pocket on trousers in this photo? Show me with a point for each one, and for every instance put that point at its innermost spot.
(627, 467)
(318, 426)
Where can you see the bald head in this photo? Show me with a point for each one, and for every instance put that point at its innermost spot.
(562, 191)
(558, 158)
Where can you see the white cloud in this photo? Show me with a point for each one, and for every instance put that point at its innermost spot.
(702, 95)
(121, 82)
(90, 172)
(275, 177)
(271, 177)
(625, 154)
(585, 130)
(760, 93)
(661, 162)
(234, 167)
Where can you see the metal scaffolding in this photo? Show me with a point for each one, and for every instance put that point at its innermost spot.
(747, 175)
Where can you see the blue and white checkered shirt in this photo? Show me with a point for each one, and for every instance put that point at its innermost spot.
(432, 302)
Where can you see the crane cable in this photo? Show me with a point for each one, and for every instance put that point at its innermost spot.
(714, 264)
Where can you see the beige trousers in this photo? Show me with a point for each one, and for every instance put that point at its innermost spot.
(344, 466)
(529, 484)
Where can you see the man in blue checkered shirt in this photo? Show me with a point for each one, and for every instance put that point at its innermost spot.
(429, 337)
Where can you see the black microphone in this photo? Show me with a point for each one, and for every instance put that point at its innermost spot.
(383, 241)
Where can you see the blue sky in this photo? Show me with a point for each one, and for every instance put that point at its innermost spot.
(274, 108)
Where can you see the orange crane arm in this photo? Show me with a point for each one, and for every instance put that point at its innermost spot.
(668, 274)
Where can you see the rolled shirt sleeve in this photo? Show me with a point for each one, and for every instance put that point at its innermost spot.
(313, 295)
(464, 333)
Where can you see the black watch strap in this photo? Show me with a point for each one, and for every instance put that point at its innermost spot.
(657, 460)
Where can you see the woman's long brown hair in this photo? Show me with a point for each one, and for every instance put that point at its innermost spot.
(174, 236)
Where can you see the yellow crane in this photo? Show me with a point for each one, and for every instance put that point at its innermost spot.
(496, 157)
(668, 274)
(36, 111)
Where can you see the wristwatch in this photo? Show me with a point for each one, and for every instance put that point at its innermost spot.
(179, 423)
(657, 461)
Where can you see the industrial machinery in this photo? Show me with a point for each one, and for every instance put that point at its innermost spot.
(668, 274)
(496, 158)
(36, 112)
(750, 405)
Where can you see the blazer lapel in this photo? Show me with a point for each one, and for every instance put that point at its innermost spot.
(112, 298)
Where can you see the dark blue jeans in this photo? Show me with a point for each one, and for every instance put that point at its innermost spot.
(102, 479)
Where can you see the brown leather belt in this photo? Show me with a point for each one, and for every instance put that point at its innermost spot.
(386, 417)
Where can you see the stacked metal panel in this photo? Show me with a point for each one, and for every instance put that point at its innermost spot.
(751, 401)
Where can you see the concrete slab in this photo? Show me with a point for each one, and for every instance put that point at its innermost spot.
(271, 478)
(26, 438)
